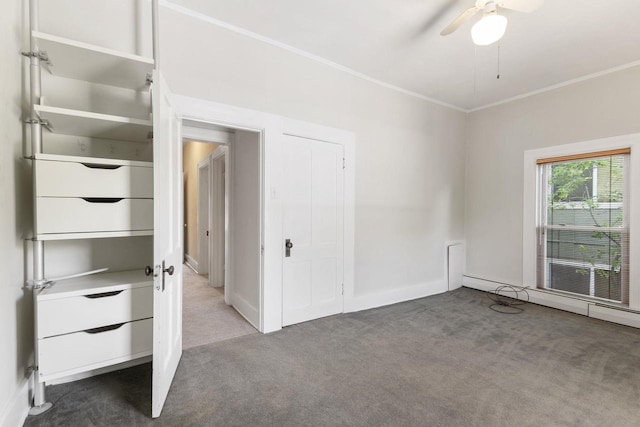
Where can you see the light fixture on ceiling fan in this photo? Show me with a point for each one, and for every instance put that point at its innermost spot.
(491, 27)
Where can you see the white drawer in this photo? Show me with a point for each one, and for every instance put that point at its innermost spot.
(75, 215)
(79, 351)
(71, 179)
(64, 315)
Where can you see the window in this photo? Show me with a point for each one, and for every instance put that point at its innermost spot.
(583, 235)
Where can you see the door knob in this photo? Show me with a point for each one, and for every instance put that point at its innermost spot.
(287, 247)
(169, 270)
(148, 270)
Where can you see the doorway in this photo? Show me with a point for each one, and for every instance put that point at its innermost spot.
(215, 290)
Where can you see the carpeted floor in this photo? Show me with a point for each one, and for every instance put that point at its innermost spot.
(206, 318)
(445, 360)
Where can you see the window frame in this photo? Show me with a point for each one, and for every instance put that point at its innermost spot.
(544, 270)
(534, 187)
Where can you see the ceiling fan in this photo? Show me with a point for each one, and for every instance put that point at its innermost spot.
(491, 27)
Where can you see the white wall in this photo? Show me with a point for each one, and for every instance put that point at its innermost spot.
(497, 138)
(409, 164)
(245, 224)
(409, 154)
(16, 325)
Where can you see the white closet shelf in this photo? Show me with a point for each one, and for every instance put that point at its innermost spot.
(96, 283)
(94, 125)
(94, 235)
(92, 160)
(82, 61)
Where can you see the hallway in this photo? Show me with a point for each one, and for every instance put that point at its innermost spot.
(206, 317)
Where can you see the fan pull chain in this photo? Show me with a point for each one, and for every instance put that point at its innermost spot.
(498, 76)
(475, 69)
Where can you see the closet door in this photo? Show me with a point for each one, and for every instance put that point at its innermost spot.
(167, 252)
(313, 228)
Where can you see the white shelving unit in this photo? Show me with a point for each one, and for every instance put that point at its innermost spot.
(99, 320)
(94, 125)
(91, 160)
(95, 64)
(101, 282)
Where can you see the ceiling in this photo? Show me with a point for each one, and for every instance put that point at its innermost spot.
(398, 42)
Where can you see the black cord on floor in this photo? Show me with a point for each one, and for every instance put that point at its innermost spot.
(507, 304)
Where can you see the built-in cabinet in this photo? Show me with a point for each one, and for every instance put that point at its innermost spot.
(96, 320)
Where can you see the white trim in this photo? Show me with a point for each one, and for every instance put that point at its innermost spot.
(578, 264)
(609, 314)
(247, 33)
(190, 133)
(531, 191)
(557, 86)
(242, 31)
(272, 127)
(447, 246)
(17, 409)
(393, 296)
(191, 263)
(219, 207)
(594, 309)
(581, 205)
(203, 210)
(586, 228)
(246, 310)
(536, 296)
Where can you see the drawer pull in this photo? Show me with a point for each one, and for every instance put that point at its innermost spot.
(104, 329)
(102, 199)
(103, 295)
(99, 166)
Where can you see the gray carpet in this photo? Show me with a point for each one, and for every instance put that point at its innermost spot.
(445, 360)
(206, 318)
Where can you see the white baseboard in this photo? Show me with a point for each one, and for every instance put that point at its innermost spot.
(566, 303)
(394, 296)
(246, 310)
(17, 410)
(622, 317)
(191, 263)
(100, 371)
(536, 296)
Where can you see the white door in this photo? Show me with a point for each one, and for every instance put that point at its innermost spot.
(167, 241)
(313, 218)
(219, 241)
(203, 216)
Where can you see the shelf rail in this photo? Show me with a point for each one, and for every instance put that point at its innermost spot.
(40, 403)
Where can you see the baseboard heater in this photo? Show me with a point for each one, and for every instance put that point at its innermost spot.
(597, 310)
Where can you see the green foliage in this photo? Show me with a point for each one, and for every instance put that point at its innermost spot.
(571, 186)
(572, 180)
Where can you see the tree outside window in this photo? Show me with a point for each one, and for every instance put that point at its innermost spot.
(585, 230)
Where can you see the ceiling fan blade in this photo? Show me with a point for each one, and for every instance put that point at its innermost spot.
(464, 17)
(521, 5)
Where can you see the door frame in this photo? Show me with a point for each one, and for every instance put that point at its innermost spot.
(271, 128)
(204, 218)
(219, 229)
